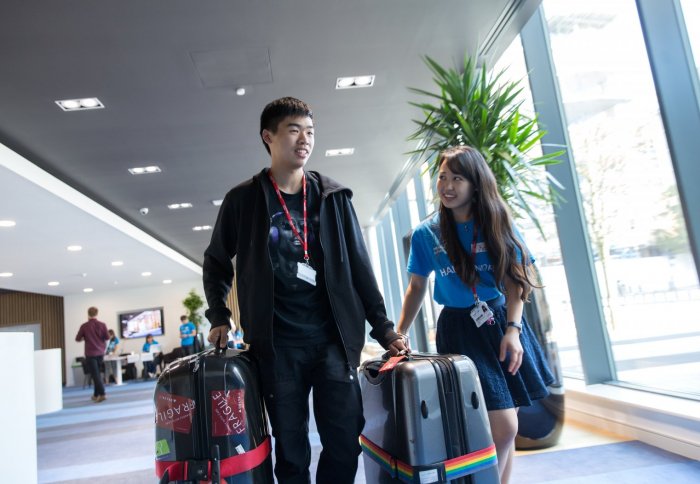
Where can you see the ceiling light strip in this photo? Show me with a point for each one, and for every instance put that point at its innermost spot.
(354, 82)
(81, 104)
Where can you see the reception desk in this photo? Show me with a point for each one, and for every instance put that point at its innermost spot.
(116, 361)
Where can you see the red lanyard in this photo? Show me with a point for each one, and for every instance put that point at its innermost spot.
(476, 230)
(304, 241)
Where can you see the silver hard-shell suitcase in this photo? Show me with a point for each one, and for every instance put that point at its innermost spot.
(426, 422)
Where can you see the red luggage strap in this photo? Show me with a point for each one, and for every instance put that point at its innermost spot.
(444, 471)
(230, 466)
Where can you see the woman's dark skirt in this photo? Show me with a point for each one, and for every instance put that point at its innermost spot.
(457, 334)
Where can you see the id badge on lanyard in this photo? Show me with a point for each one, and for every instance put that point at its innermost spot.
(304, 270)
(306, 273)
(481, 312)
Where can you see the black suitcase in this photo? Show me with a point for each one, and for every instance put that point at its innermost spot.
(426, 422)
(210, 421)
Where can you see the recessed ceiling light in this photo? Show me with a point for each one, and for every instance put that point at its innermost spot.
(340, 152)
(353, 82)
(6, 274)
(167, 281)
(217, 203)
(145, 274)
(74, 248)
(117, 263)
(90, 102)
(82, 104)
(54, 283)
(141, 170)
(88, 289)
(175, 206)
(197, 228)
(344, 82)
(69, 104)
(7, 223)
(240, 91)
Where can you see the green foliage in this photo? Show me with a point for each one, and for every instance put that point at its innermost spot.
(193, 303)
(477, 109)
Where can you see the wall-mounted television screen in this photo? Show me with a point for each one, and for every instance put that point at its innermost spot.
(141, 323)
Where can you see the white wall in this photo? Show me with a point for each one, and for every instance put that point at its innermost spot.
(168, 296)
(17, 409)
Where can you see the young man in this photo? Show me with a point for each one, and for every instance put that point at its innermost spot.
(305, 288)
(187, 335)
(95, 334)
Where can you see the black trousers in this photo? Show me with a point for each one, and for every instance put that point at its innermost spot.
(337, 409)
(93, 365)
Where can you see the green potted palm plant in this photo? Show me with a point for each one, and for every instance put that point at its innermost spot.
(475, 108)
(471, 106)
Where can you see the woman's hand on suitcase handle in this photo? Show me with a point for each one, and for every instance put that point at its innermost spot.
(218, 336)
(399, 345)
(511, 347)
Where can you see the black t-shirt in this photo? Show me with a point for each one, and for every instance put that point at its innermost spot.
(302, 311)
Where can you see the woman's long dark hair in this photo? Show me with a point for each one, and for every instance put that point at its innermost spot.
(493, 219)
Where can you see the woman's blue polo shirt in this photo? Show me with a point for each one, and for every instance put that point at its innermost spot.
(428, 255)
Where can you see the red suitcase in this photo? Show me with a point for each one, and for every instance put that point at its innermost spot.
(210, 421)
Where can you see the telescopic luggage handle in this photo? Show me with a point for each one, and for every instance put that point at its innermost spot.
(215, 465)
(408, 355)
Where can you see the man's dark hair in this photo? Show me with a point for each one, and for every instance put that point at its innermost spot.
(279, 109)
(92, 312)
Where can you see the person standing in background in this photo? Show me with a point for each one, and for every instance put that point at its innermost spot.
(112, 349)
(94, 333)
(187, 335)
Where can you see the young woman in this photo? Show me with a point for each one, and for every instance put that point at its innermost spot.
(149, 367)
(482, 279)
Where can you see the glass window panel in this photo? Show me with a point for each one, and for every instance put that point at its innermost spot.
(647, 278)
(412, 203)
(430, 197)
(545, 249)
(376, 260)
(691, 15)
(397, 251)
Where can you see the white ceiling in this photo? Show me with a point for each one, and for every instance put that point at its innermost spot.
(50, 216)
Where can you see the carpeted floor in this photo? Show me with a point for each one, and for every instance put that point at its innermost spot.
(113, 442)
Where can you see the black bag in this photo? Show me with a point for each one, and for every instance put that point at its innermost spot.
(210, 421)
(426, 421)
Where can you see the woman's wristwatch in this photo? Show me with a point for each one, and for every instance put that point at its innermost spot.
(515, 325)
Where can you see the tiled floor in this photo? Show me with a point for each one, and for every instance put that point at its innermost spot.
(113, 442)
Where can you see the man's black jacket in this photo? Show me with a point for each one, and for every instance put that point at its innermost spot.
(242, 229)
